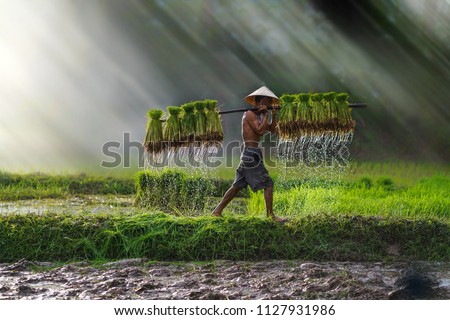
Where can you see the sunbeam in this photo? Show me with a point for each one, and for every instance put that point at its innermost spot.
(78, 74)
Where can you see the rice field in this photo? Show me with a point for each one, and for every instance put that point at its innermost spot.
(377, 211)
(427, 199)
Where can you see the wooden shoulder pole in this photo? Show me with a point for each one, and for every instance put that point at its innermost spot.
(351, 105)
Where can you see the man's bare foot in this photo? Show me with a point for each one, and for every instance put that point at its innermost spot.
(279, 219)
(217, 214)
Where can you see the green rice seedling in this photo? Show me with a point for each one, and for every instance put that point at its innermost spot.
(291, 111)
(303, 111)
(334, 110)
(170, 190)
(188, 123)
(281, 126)
(161, 191)
(175, 191)
(282, 111)
(286, 122)
(196, 191)
(330, 121)
(154, 142)
(200, 121)
(214, 130)
(327, 98)
(309, 114)
(148, 189)
(317, 113)
(345, 120)
(172, 127)
(296, 107)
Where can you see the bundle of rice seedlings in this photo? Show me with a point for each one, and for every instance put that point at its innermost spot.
(317, 113)
(172, 127)
(200, 121)
(286, 122)
(170, 190)
(195, 191)
(303, 114)
(188, 123)
(153, 142)
(214, 130)
(331, 121)
(281, 125)
(344, 115)
(147, 189)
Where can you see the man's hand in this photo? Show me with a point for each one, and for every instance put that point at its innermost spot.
(263, 109)
(275, 110)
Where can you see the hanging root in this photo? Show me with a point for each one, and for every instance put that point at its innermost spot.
(315, 128)
(316, 149)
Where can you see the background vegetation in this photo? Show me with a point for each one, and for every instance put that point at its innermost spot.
(393, 55)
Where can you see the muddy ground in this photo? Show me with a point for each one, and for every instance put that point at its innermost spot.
(142, 279)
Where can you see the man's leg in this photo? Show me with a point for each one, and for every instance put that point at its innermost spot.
(268, 197)
(228, 196)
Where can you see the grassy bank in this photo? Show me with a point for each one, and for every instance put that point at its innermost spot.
(39, 185)
(160, 236)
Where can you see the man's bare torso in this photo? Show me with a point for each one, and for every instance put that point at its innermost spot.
(249, 136)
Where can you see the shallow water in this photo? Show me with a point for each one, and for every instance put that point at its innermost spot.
(98, 204)
(142, 279)
(75, 204)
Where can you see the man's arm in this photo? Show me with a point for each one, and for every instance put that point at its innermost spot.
(258, 128)
(273, 125)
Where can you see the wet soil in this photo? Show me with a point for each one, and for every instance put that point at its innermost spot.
(100, 204)
(142, 279)
(76, 204)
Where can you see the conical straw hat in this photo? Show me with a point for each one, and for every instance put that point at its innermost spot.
(263, 91)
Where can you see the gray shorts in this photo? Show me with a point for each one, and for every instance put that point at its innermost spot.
(251, 171)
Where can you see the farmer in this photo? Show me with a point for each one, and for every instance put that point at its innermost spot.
(251, 170)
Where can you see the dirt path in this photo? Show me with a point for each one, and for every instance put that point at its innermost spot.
(140, 279)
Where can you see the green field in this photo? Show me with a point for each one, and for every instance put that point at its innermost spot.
(369, 212)
(429, 198)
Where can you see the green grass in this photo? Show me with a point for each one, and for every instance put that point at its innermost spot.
(401, 172)
(427, 199)
(160, 236)
(39, 185)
